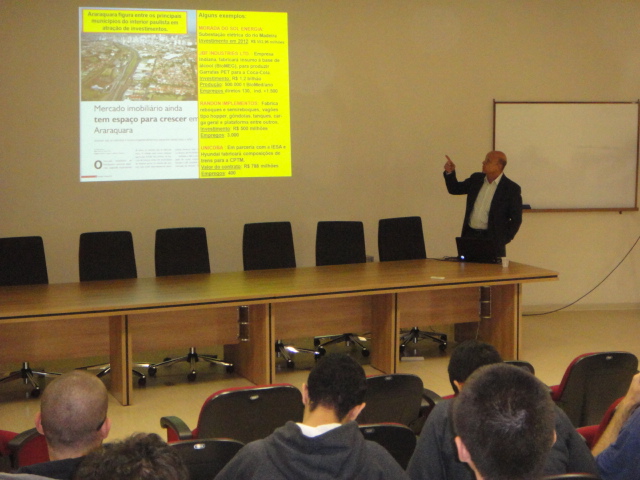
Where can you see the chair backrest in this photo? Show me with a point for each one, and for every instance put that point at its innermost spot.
(339, 243)
(399, 440)
(393, 398)
(522, 364)
(268, 245)
(206, 457)
(181, 251)
(592, 382)
(27, 448)
(106, 256)
(401, 238)
(249, 413)
(22, 261)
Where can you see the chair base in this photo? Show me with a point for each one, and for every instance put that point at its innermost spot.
(347, 338)
(192, 357)
(284, 351)
(29, 377)
(415, 335)
(105, 369)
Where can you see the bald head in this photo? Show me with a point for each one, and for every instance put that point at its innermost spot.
(73, 410)
(494, 164)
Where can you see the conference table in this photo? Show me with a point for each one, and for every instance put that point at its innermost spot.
(123, 317)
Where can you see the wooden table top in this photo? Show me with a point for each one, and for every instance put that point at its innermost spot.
(120, 297)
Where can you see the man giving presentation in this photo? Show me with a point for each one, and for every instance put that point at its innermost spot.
(494, 203)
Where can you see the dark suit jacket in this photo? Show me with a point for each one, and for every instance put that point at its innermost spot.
(505, 213)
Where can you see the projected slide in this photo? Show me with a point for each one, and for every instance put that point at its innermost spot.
(181, 94)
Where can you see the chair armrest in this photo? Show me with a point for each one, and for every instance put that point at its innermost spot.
(431, 398)
(176, 429)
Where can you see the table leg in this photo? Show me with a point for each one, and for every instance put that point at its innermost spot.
(255, 359)
(120, 359)
(384, 333)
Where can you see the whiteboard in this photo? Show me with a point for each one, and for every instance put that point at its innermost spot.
(570, 156)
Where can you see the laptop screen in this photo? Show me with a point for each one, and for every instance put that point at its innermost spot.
(479, 250)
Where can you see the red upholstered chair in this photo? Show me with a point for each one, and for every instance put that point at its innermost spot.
(24, 448)
(205, 458)
(243, 414)
(592, 433)
(393, 398)
(591, 383)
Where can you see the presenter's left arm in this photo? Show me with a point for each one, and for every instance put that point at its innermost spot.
(515, 211)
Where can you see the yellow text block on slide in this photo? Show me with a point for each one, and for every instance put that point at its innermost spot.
(134, 21)
(243, 94)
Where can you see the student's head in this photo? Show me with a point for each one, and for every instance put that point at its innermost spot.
(504, 420)
(467, 357)
(73, 414)
(337, 382)
(139, 457)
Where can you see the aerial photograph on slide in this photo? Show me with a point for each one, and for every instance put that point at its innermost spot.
(138, 67)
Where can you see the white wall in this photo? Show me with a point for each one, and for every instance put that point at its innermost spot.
(381, 90)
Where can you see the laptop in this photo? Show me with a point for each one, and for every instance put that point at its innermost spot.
(478, 250)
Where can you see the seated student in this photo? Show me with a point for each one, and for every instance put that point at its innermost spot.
(139, 457)
(327, 444)
(618, 449)
(504, 422)
(73, 419)
(436, 456)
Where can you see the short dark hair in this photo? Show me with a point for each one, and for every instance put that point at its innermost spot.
(506, 419)
(338, 382)
(139, 457)
(467, 357)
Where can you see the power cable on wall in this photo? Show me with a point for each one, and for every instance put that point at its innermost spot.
(590, 291)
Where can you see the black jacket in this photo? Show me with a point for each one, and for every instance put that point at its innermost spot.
(505, 214)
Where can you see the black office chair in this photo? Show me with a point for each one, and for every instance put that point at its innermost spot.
(108, 256)
(183, 251)
(269, 245)
(22, 262)
(399, 440)
(402, 238)
(340, 243)
(394, 398)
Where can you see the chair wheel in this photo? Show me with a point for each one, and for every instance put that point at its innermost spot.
(290, 364)
(35, 393)
(321, 351)
(229, 369)
(402, 347)
(316, 342)
(442, 347)
(191, 376)
(142, 381)
(365, 352)
(152, 371)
